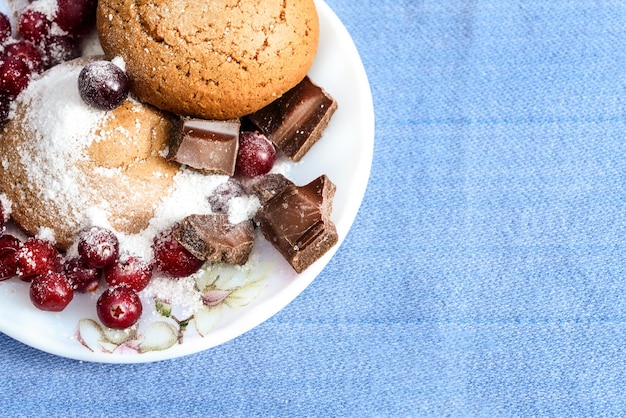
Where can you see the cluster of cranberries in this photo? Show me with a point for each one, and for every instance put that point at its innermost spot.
(48, 33)
(55, 278)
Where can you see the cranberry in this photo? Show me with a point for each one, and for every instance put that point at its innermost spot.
(130, 271)
(83, 278)
(14, 76)
(119, 307)
(27, 52)
(103, 85)
(51, 291)
(98, 247)
(37, 256)
(75, 16)
(9, 245)
(172, 258)
(256, 154)
(5, 28)
(223, 193)
(59, 48)
(33, 25)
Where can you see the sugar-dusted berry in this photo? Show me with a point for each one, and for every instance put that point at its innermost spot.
(173, 259)
(9, 245)
(51, 291)
(130, 271)
(14, 76)
(119, 307)
(256, 155)
(103, 85)
(37, 256)
(98, 247)
(83, 278)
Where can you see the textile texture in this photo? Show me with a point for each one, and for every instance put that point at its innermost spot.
(485, 272)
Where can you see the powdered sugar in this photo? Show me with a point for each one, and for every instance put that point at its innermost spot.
(60, 127)
(181, 294)
(6, 205)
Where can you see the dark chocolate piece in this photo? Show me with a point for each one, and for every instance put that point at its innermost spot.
(267, 186)
(297, 222)
(296, 120)
(212, 238)
(207, 145)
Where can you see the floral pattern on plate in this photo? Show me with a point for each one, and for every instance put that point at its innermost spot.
(216, 289)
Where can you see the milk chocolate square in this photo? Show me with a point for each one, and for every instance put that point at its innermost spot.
(207, 145)
(297, 222)
(295, 121)
(213, 238)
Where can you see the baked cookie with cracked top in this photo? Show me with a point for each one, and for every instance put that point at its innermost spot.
(215, 59)
(63, 163)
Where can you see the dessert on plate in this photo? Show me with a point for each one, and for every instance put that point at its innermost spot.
(156, 158)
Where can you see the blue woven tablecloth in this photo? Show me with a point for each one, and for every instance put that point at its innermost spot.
(485, 272)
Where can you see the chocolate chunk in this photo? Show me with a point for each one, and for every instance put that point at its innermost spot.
(207, 145)
(296, 120)
(297, 222)
(212, 238)
(267, 186)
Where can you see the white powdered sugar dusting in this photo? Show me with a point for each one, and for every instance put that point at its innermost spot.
(47, 7)
(180, 293)
(61, 131)
(6, 205)
(46, 234)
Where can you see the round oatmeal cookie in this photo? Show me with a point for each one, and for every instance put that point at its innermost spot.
(216, 59)
(65, 165)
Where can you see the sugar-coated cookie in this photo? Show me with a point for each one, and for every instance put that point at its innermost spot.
(64, 164)
(214, 59)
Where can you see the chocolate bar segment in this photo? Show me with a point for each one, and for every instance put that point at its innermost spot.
(297, 222)
(296, 120)
(212, 238)
(207, 145)
(267, 186)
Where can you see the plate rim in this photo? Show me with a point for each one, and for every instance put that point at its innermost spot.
(266, 309)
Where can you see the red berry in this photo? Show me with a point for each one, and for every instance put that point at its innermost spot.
(256, 154)
(51, 291)
(27, 52)
(130, 271)
(9, 245)
(14, 76)
(119, 307)
(33, 25)
(98, 247)
(59, 48)
(5, 28)
(75, 16)
(172, 258)
(37, 256)
(103, 85)
(83, 278)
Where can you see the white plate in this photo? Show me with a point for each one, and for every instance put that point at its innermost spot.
(344, 154)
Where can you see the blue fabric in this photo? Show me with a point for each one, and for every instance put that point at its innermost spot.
(485, 272)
